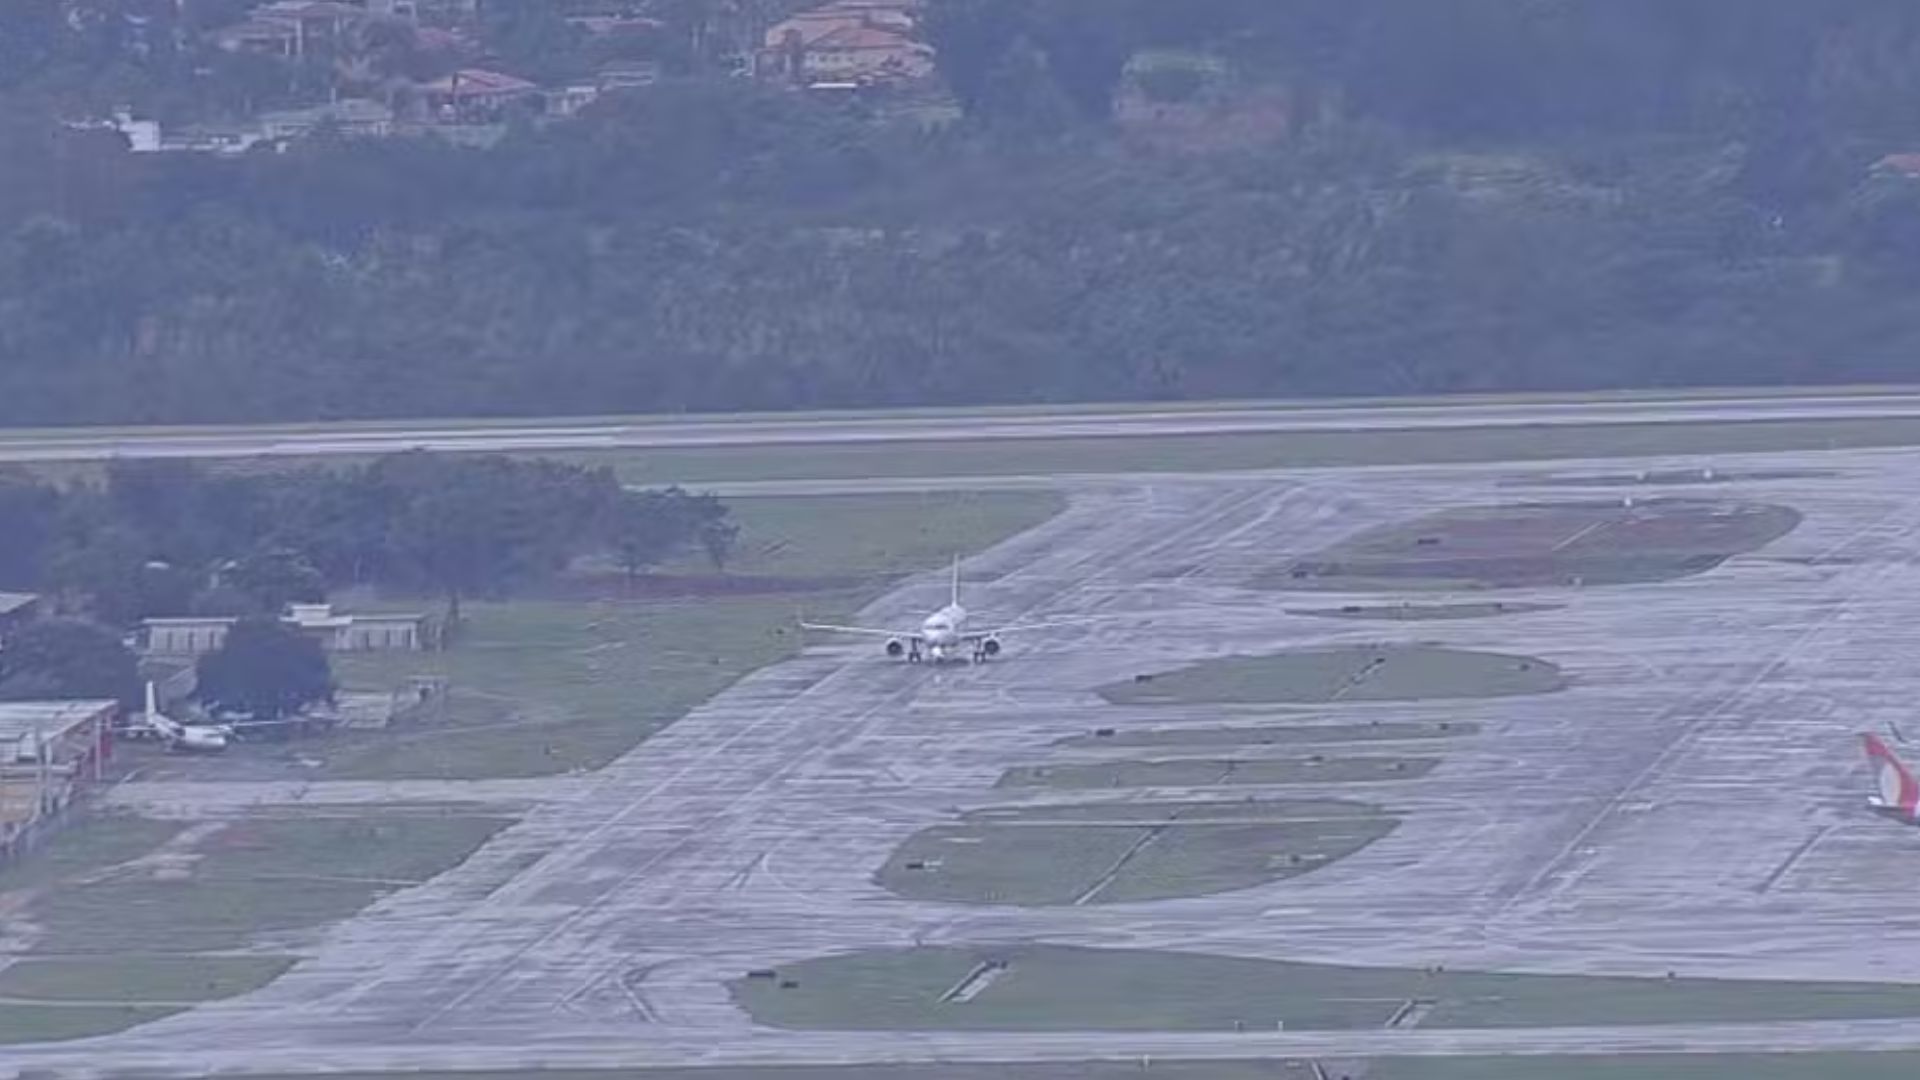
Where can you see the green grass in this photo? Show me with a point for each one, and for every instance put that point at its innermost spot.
(545, 687)
(1215, 772)
(1125, 852)
(89, 842)
(876, 536)
(1210, 453)
(118, 945)
(151, 981)
(1425, 612)
(1322, 676)
(1602, 542)
(253, 877)
(1053, 988)
(1269, 735)
(58, 1023)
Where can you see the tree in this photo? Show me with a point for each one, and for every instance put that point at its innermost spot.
(32, 34)
(275, 577)
(641, 531)
(474, 526)
(266, 670)
(970, 39)
(646, 528)
(29, 518)
(1088, 44)
(109, 569)
(61, 659)
(717, 538)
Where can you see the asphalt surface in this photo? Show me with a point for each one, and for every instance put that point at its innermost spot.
(86, 445)
(1694, 803)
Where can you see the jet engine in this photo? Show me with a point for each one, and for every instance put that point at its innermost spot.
(990, 647)
(896, 647)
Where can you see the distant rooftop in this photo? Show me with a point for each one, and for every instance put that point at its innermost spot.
(477, 81)
(12, 602)
(22, 720)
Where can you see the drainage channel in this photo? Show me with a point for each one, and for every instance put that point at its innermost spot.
(1107, 879)
(1410, 1013)
(983, 975)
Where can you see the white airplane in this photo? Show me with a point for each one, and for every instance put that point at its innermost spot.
(189, 738)
(942, 635)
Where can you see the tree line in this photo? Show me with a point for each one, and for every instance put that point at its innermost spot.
(169, 538)
(1471, 195)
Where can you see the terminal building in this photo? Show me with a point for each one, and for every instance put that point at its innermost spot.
(336, 631)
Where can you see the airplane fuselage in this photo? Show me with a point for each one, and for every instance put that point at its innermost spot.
(944, 631)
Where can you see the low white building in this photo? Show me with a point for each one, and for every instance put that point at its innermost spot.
(336, 631)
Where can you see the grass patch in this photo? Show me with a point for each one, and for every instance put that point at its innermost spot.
(88, 843)
(546, 687)
(1125, 852)
(1323, 676)
(1054, 988)
(1216, 772)
(1612, 542)
(1270, 735)
(876, 536)
(148, 981)
(1209, 453)
(120, 945)
(254, 877)
(1425, 612)
(58, 1023)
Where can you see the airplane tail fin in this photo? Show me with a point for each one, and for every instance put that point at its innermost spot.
(1893, 782)
(956, 581)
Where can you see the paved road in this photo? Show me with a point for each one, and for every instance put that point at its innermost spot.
(1691, 804)
(82, 445)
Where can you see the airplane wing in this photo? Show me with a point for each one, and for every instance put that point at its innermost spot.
(1021, 628)
(868, 631)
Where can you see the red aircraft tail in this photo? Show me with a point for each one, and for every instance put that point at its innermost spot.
(1893, 783)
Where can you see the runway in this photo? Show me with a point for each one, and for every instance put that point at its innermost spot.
(980, 425)
(1692, 803)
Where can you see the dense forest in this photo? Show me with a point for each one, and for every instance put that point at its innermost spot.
(1132, 199)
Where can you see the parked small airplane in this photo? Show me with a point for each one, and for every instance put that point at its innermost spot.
(1895, 792)
(941, 636)
(191, 738)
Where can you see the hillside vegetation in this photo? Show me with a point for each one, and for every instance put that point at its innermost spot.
(1134, 199)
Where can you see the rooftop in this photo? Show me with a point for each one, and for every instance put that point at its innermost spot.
(308, 615)
(309, 9)
(22, 719)
(11, 602)
(479, 81)
(866, 37)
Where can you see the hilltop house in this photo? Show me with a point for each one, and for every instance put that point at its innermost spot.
(291, 28)
(476, 95)
(846, 41)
